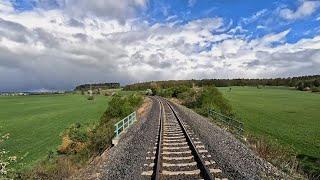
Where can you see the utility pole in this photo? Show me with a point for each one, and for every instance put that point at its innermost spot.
(90, 91)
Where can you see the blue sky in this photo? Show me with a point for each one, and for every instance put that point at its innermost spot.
(235, 11)
(139, 40)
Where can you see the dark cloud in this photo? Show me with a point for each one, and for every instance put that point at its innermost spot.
(46, 38)
(75, 23)
(81, 36)
(158, 61)
(253, 63)
(14, 31)
(285, 59)
(120, 10)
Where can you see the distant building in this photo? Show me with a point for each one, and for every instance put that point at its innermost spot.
(14, 94)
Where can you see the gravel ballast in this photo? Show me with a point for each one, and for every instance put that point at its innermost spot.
(236, 160)
(127, 158)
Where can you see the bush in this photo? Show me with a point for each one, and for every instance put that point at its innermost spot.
(74, 139)
(179, 90)
(154, 91)
(165, 92)
(51, 169)
(211, 97)
(281, 156)
(120, 107)
(176, 92)
(315, 89)
(300, 86)
(90, 98)
(309, 165)
(101, 137)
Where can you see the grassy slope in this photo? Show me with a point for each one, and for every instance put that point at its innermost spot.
(292, 117)
(35, 122)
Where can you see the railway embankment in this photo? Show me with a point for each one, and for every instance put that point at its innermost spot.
(128, 159)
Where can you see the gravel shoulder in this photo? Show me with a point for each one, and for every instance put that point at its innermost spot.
(125, 161)
(236, 160)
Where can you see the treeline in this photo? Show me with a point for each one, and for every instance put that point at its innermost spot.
(298, 82)
(86, 87)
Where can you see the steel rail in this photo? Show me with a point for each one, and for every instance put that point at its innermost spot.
(157, 167)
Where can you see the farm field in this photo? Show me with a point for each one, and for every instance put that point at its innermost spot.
(289, 116)
(34, 123)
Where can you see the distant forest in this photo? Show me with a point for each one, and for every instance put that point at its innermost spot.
(86, 87)
(300, 83)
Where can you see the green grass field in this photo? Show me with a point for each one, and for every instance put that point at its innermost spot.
(36, 122)
(292, 117)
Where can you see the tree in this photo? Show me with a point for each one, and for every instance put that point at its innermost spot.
(300, 86)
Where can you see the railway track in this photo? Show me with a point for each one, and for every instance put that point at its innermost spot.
(178, 153)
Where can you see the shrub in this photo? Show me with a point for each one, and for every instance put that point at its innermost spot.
(179, 90)
(316, 82)
(51, 169)
(154, 91)
(101, 137)
(309, 165)
(315, 89)
(90, 98)
(211, 97)
(118, 107)
(165, 92)
(300, 86)
(74, 139)
(135, 100)
(279, 155)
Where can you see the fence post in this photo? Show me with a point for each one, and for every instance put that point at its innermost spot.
(116, 131)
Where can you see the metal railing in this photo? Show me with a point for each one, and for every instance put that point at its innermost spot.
(124, 123)
(230, 122)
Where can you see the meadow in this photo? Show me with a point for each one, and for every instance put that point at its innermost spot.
(287, 116)
(35, 123)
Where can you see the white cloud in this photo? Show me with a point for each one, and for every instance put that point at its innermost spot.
(6, 7)
(255, 17)
(270, 38)
(120, 10)
(305, 9)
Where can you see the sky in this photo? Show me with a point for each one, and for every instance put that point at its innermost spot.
(58, 44)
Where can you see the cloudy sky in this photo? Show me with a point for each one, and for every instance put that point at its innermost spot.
(57, 44)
